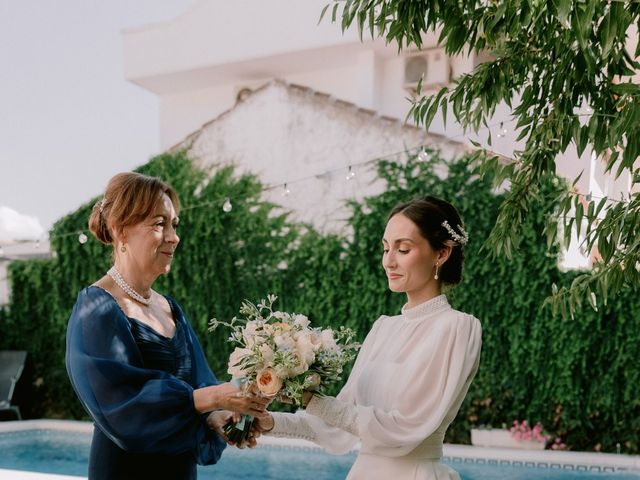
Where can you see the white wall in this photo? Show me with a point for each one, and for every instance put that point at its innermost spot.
(288, 134)
(198, 63)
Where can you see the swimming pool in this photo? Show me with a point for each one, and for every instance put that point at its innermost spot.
(63, 448)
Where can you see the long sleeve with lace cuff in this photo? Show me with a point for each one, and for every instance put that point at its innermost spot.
(336, 413)
(291, 426)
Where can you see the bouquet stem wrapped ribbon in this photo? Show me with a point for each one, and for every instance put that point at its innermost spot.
(238, 432)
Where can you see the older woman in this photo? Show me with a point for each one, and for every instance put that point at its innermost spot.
(132, 357)
(414, 368)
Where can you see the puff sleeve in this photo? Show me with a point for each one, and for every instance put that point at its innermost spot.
(141, 410)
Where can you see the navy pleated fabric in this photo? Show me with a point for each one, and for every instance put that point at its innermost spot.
(137, 386)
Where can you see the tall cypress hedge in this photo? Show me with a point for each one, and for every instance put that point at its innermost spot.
(579, 377)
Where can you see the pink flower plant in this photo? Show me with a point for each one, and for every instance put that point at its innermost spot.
(558, 445)
(523, 431)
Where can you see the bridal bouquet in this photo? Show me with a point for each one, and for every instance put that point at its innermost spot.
(281, 355)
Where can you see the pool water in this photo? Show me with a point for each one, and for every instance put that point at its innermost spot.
(53, 451)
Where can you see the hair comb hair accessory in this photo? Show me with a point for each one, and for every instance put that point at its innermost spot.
(101, 205)
(460, 238)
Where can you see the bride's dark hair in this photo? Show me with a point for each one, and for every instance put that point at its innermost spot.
(429, 213)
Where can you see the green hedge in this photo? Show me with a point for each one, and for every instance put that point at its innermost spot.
(578, 377)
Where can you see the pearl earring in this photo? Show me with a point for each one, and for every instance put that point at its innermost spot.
(123, 249)
(436, 276)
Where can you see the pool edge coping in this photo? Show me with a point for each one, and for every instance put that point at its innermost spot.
(453, 452)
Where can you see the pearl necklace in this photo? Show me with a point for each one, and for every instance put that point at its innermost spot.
(115, 274)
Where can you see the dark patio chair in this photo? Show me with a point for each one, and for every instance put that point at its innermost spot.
(11, 366)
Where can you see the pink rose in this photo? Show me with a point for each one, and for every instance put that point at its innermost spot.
(268, 382)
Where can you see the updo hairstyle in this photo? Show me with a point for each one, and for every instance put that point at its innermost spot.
(429, 213)
(129, 199)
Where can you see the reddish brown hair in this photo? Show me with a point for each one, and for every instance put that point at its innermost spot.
(129, 199)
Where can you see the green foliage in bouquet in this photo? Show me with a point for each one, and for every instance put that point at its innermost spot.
(281, 355)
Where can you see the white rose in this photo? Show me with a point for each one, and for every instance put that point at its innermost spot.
(328, 342)
(301, 320)
(305, 348)
(235, 359)
(316, 340)
(284, 342)
(298, 369)
(249, 333)
(267, 354)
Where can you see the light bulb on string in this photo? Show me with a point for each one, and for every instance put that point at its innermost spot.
(423, 156)
(82, 238)
(351, 175)
(286, 191)
(503, 131)
(227, 207)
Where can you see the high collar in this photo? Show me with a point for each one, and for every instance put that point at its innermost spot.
(427, 308)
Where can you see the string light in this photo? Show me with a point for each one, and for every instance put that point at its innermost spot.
(82, 238)
(420, 151)
(351, 175)
(503, 131)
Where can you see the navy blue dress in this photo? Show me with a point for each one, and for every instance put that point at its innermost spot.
(137, 385)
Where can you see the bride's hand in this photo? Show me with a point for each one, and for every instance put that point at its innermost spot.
(264, 424)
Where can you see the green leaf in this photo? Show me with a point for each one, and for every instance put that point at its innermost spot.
(563, 8)
(551, 231)
(579, 214)
(625, 88)
(607, 36)
(582, 139)
(324, 10)
(334, 13)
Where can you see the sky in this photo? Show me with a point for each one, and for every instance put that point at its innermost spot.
(68, 118)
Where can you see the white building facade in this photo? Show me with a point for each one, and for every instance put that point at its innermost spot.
(219, 51)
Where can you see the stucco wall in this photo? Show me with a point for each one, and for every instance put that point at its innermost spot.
(293, 135)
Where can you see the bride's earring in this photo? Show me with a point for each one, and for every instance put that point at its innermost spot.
(436, 276)
(124, 249)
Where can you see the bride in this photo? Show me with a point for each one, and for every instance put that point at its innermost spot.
(413, 370)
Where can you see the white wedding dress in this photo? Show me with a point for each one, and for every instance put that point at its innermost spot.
(408, 382)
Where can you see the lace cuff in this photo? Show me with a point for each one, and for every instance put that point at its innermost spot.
(335, 412)
(291, 426)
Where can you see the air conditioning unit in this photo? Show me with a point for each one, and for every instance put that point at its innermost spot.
(431, 65)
